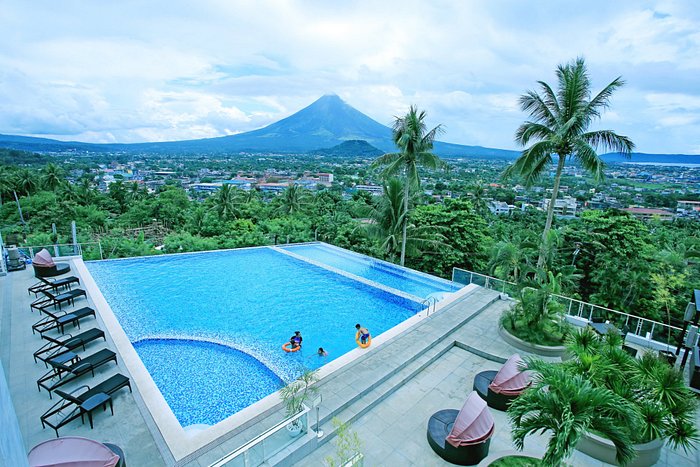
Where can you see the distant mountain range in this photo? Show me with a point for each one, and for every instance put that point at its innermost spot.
(321, 128)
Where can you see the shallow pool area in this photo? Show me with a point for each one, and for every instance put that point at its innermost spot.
(388, 274)
(236, 308)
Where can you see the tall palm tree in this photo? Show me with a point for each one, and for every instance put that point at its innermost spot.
(52, 177)
(415, 145)
(560, 127)
(388, 225)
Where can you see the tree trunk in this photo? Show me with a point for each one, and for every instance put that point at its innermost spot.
(406, 193)
(550, 210)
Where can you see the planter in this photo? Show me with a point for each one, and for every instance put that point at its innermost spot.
(542, 350)
(604, 450)
(294, 428)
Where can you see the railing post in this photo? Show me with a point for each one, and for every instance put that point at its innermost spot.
(99, 243)
(653, 325)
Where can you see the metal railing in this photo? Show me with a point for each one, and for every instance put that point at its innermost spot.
(649, 333)
(91, 250)
(430, 305)
(260, 449)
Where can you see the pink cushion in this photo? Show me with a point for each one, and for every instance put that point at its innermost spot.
(510, 379)
(43, 259)
(72, 451)
(473, 424)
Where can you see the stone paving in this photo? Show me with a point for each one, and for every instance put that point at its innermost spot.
(393, 432)
(128, 427)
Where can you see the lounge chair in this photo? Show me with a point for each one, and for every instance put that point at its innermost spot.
(60, 319)
(14, 260)
(462, 437)
(58, 300)
(58, 346)
(68, 408)
(54, 285)
(61, 373)
(45, 267)
(499, 388)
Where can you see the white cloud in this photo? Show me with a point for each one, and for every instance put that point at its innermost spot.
(134, 71)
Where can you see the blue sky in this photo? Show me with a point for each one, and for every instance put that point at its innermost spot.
(133, 71)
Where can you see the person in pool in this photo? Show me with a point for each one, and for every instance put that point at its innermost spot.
(364, 333)
(296, 338)
(322, 353)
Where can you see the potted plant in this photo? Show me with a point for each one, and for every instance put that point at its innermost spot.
(619, 409)
(348, 446)
(294, 397)
(536, 323)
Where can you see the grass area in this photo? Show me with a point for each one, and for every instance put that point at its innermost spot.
(516, 461)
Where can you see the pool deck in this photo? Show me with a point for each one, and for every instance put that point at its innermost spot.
(387, 394)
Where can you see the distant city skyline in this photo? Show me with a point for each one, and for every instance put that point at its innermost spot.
(162, 71)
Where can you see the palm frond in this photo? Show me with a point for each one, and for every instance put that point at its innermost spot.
(608, 140)
(589, 159)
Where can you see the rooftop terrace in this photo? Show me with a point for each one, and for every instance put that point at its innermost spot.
(387, 394)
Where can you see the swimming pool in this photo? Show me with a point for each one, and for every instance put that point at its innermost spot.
(236, 308)
(388, 274)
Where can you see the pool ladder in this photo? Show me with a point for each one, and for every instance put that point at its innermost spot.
(430, 305)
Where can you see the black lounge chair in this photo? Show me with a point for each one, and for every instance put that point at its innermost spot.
(57, 269)
(61, 373)
(68, 408)
(54, 285)
(463, 436)
(58, 346)
(500, 388)
(57, 300)
(60, 319)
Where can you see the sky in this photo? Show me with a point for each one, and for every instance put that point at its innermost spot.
(134, 71)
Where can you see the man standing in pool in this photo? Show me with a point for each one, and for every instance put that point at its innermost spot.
(364, 333)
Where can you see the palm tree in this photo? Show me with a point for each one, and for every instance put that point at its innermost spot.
(477, 189)
(225, 202)
(25, 181)
(388, 225)
(415, 144)
(560, 127)
(52, 177)
(294, 198)
(568, 406)
(6, 182)
(510, 257)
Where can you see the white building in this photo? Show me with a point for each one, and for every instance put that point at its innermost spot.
(565, 206)
(499, 207)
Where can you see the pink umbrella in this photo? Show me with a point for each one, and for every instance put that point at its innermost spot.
(510, 379)
(43, 259)
(474, 423)
(72, 451)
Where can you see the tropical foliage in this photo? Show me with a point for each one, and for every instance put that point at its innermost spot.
(415, 144)
(604, 390)
(560, 126)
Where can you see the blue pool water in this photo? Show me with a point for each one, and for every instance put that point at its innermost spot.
(234, 383)
(405, 280)
(235, 309)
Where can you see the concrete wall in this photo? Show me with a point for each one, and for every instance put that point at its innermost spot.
(12, 451)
